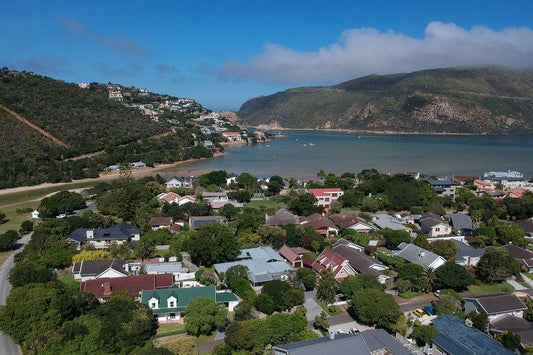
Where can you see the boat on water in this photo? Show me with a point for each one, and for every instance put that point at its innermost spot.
(311, 143)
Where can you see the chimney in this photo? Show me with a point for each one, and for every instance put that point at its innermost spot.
(107, 288)
(421, 254)
(331, 336)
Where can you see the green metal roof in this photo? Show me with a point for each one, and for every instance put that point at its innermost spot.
(183, 296)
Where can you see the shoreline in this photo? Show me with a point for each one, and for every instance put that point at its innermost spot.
(137, 173)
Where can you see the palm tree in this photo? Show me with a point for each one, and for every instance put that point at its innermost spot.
(427, 279)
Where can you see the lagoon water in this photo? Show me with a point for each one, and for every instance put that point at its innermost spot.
(303, 153)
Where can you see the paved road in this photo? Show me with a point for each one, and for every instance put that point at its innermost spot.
(206, 347)
(7, 345)
(313, 309)
(408, 307)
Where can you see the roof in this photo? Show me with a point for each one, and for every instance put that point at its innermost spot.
(258, 270)
(515, 251)
(498, 303)
(516, 191)
(288, 253)
(282, 217)
(510, 322)
(441, 182)
(317, 221)
(329, 260)
(131, 284)
(300, 250)
(161, 221)
(383, 221)
(428, 222)
(183, 297)
(358, 260)
(324, 192)
(120, 231)
(465, 177)
(196, 222)
(349, 220)
(420, 256)
(96, 267)
(464, 250)
(456, 338)
(526, 225)
(364, 343)
(260, 253)
(161, 268)
(461, 221)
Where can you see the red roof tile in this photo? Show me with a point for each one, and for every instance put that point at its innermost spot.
(325, 191)
(132, 284)
(288, 253)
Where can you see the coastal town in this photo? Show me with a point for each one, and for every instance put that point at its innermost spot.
(225, 263)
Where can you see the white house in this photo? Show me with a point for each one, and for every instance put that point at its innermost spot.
(35, 214)
(433, 225)
(416, 255)
(496, 305)
(98, 269)
(326, 196)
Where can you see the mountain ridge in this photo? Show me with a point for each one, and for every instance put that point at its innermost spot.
(480, 100)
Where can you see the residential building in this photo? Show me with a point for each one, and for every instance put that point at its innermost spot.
(321, 224)
(196, 222)
(291, 256)
(98, 269)
(527, 226)
(384, 221)
(443, 187)
(484, 185)
(282, 217)
(508, 179)
(466, 255)
(338, 265)
(523, 256)
(174, 268)
(232, 136)
(517, 325)
(495, 305)
(463, 179)
(231, 179)
(102, 238)
(496, 194)
(263, 264)
(359, 261)
(168, 304)
(369, 342)
(116, 95)
(463, 223)
(416, 255)
(433, 225)
(172, 197)
(130, 285)
(138, 164)
(351, 221)
(216, 205)
(456, 338)
(161, 222)
(210, 197)
(181, 182)
(35, 214)
(516, 192)
(326, 196)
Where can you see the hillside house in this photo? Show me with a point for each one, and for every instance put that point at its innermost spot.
(433, 225)
(232, 136)
(181, 182)
(359, 261)
(496, 305)
(321, 224)
(338, 265)
(351, 221)
(291, 256)
(443, 187)
(326, 196)
(196, 222)
(463, 223)
(282, 217)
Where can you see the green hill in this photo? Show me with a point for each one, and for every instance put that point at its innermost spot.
(456, 100)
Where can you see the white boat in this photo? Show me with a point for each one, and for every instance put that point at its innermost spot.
(311, 143)
(305, 145)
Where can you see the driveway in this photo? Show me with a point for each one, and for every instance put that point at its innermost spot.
(7, 345)
(516, 285)
(313, 309)
(527, 280)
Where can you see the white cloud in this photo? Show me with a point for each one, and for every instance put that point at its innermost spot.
(364, 51)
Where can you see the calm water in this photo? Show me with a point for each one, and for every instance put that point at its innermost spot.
(304, 153)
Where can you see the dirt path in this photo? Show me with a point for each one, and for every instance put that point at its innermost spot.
(34, 127)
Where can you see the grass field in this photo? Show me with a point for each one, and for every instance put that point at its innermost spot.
(266, 204)
(487, 288)
(14, 218)
(169, 328)
(326, 308)
(70, 282)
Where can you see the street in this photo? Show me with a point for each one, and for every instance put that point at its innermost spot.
(7, 345)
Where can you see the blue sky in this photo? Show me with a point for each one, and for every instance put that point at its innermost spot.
(222, 53)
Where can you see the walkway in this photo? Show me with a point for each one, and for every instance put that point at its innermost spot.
(516, 285)
(527, 280)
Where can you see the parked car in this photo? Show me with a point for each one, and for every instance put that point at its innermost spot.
(354, 331)
(419, 312)
(430, 310)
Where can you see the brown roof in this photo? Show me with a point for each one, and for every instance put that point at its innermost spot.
(348, 220)
(282, 217)
(328, 260)
(526, 225)
(161, 221)
(517, 252)
(499, 303)
(300, 250)
(131, 284)
(358, 260)
(509, 322)
(317, 221)
(288, 253)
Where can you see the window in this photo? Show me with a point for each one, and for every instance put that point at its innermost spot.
(171, 304)
(437, 229)
(152, 305)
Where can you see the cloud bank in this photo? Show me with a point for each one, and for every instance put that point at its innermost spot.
(366, 51)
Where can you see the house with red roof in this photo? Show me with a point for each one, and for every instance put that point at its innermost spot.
(326, 195)
(291, 256)
(161, 222)
(352, 222)
(130, 285)
(516, 192)
(232, 136)
(321, 224)
(336, 264)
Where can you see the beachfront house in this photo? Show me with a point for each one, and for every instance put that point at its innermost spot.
(326, 196)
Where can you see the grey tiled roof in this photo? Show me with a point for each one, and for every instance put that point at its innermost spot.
(96, 267)
(120, 231)
(416, 255)
(461, 221)
(358, 260)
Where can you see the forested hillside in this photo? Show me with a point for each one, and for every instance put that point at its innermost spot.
(454, 100)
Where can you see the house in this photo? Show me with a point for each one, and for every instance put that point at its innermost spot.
(463, 223)
(516, 192)
(231, 179)
(369, 342)
(181, 182)
(443, 187)
(102, 238)
(208, 144)
(334, 263)
(321, 224)
(384, 221)
(172, 197)
(416, 255)
(495, 305)
(35, 214)
(263, 264)
(282, 217)
(466, 255)
(116, 95)
(484, 185)
(138, 164)
(291, 256)
(516, 325)
(232, 136)
(351, 221)
(168, 304)
(326, 196)
(196, 222)
(433, 225)
(129, 285)
(216, 205)
(508, 179)
(98, 269)
(523, 256)
(161, 222)
(527, 226)
(210, 197)
(359, 261)
(497, 195)
(463, 179)
(456, 338)
(174, 268)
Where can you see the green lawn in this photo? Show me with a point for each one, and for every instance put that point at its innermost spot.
(487, 288)
(70, 282)
(266, 204)
(347, 210)
(14, 218)
(409, 294)
(326, 308)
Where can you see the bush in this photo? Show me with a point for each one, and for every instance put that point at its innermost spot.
(265, 304)
(26, 227)
(424, 334)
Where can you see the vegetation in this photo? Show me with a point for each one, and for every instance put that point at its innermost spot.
(424, 334)
(375, 307)
(204, 316)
